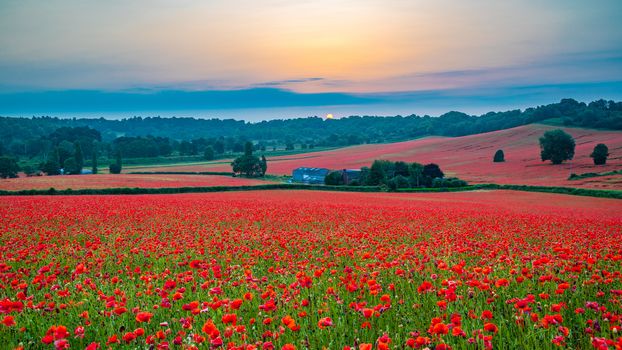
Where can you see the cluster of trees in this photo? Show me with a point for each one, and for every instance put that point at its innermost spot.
(248, 164)
(28, 137)
(559, 146)
(395, 175)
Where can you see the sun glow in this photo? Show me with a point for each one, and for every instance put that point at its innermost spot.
(329, 116)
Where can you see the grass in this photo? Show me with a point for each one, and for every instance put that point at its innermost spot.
(589, 175)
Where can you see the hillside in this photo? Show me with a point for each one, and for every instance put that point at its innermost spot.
(469, 157)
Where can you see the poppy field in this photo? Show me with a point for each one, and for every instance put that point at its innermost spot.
(311, 270)
(99, 181)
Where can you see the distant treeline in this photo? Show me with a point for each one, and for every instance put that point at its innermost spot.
(150, 137)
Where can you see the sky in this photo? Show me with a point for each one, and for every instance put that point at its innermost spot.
(414, 55)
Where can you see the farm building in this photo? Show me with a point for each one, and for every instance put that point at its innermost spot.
(309, 175)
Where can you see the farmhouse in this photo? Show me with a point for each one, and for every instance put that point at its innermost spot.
(309, 175)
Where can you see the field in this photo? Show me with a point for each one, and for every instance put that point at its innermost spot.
(295, 269)
(123, 180)
(468, 157)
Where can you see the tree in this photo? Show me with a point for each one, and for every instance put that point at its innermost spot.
(248, 164)
(600, 154)
(264, 165)
(377, 174)
(401, 168)
(51, 167)
(248, 148)
(499, 156)
(78, 157)
(209, 153)
(432, 171)
(94, 162)
(117, 166)
(219, 147)
(8, 167)
(556, 146)
(429, 173)
(415, 171)
(334, 178)
(71, 166)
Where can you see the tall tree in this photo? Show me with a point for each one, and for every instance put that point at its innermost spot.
(94, 161)
(79, 157)
(117, 166)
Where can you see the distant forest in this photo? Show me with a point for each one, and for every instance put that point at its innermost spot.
(150, 137)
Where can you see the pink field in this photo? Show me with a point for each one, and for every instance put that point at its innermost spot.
(123, 180)
(470, 157)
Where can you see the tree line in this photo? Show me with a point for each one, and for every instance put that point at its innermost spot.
(155, 136)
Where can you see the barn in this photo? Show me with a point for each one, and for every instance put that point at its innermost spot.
(309, 175)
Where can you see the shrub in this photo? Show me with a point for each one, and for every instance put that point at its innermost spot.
(499, 156)
(600, 154)
(115, 168)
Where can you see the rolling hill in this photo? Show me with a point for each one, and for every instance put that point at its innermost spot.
(468, 157)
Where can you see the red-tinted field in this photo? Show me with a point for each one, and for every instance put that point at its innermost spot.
(123, 180)
(296, 269)
(470, 157)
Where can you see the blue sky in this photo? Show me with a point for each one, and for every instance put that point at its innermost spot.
(415, 55)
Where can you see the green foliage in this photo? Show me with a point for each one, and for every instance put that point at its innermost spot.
(415, 172)
(71, 167)
(430, 172)
(79, 158)
(249, 164)
(248, 148)
(51, 167)
(499, 156)
(556, 146)
(448, 182)
(334, 178)
(398, 181)
(209, 153)
(29, 170)
(589, 175)
(378, 173)
(117, 166)
(8, 167)
(114, 168)
(600, 154)
(137, 147)
(264, 165)
(94, 162)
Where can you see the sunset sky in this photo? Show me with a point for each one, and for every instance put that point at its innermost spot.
(352, 47)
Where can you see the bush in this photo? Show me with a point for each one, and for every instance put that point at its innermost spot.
(115, 168)
(600, 154)
(499, 156)
(448, 182)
